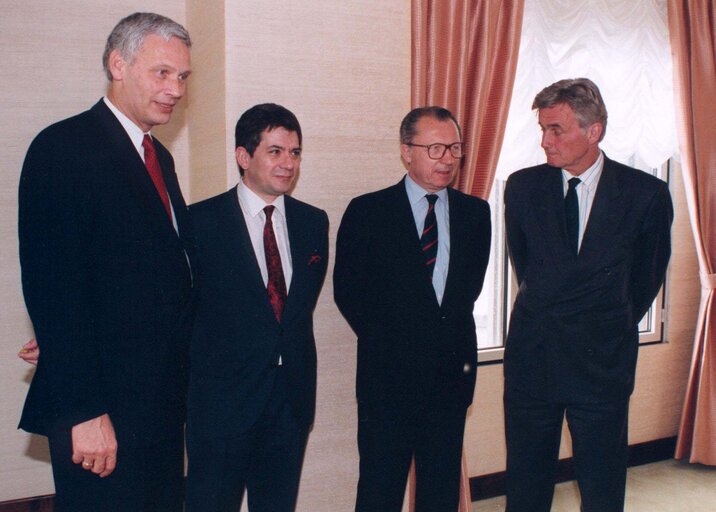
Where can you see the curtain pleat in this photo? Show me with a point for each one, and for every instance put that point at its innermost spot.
(464, 59)
(692, 25)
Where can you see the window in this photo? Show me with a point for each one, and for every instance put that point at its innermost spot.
(492, 308)
(624, 48)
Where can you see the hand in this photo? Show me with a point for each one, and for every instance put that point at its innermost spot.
(94, 445)
(30, 352)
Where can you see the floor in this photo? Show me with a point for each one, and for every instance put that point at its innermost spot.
(667, 486)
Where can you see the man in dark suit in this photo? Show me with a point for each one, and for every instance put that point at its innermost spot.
(589, 240)
(410, 263)
(104, 249)
(262, 261)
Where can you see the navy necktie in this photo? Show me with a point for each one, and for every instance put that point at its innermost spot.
(571, 212)
(429, 238)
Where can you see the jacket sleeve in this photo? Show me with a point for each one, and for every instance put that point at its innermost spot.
(55, 235)
(350, 284)
(653, 250)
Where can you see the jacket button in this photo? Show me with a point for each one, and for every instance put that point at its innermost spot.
(590, 352)
(466, 369)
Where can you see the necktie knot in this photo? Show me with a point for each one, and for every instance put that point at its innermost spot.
(268, 210)
(573, 182)
(432, 198)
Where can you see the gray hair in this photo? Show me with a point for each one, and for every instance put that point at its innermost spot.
(408, 127)
(581, 95)
(129, 34)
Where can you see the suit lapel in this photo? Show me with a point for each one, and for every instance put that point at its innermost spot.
(548, 203)
(130, 164)
(607, 211)
(299, 239)
(239, 243)
(408, 242)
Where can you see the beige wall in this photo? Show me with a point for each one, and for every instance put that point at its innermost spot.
(344, 69)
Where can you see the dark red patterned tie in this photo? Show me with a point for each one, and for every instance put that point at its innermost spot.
(276, 285)
(155, 171)
(429, 238)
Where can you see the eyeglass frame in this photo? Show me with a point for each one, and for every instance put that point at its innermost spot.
(445, 148)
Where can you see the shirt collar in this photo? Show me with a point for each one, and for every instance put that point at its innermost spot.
(416, 192)
(253, 204)
(135, 133)
(588, 177)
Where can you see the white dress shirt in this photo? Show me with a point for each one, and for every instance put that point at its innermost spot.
(252, 206)
(419, 205)
(586, 191)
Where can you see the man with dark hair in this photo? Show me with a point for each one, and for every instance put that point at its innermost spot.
(589, 241)
(262, 261)
(410, 263)
(105, 255)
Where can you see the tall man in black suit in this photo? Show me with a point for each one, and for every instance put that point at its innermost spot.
(105, 255)
(589, 240)
(262, 261)
(410, 263)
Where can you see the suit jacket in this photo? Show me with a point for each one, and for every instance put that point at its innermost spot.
(106, 279)
(237, 340)
(411, 350)
(573, 331)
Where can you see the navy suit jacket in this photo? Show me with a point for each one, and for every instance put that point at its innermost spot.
(573, 331)
(106, 280)
(237, 340)
(411, 350)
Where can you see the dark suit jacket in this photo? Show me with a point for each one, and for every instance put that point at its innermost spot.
(237, 340)
(411, 350)
(106, 280)
(573, 331)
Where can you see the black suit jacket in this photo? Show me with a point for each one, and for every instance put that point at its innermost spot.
(573, 331)
(106, 280)
(237, 340)
(411, 350)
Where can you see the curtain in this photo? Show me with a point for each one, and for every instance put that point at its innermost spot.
(464, 56)
(692, 26)
(624, 48)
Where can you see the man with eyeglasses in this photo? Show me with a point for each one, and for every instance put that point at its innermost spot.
(410, 263)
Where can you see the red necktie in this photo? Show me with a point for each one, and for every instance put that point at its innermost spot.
(276, 285)
(155, 171)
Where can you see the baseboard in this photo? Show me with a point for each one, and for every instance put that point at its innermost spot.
(489, 486)
(37, 504)
(481, 487)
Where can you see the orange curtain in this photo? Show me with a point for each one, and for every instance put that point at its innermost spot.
(464, 56)
(692, 27)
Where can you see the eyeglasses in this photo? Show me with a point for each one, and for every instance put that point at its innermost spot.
(437, 151)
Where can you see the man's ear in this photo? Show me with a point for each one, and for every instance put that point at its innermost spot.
(594, 132)
(117, 65)
(406, 153)
(242, 157)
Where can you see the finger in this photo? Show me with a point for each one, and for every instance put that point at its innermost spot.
(110, 464)
(98, 466)
(77, 457)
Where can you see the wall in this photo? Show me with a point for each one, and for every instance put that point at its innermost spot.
(344, 69)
